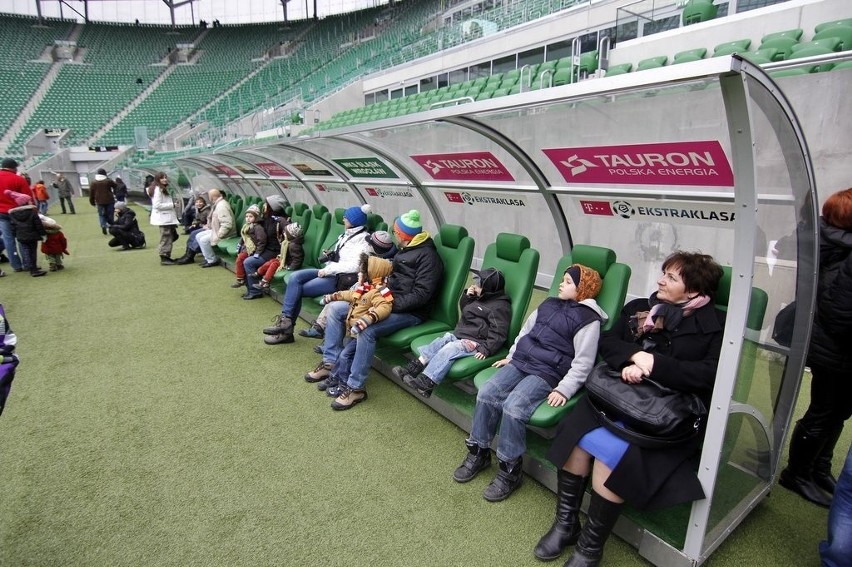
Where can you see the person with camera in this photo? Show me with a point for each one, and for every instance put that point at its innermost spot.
(674, 337)
(343, 259)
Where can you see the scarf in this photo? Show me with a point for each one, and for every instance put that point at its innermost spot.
(666, 315)
(282, 257)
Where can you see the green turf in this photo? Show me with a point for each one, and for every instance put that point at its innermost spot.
(150, 425)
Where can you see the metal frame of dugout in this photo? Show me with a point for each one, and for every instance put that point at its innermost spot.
(597, 163)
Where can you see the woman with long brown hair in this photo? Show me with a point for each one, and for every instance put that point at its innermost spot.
(163, 215)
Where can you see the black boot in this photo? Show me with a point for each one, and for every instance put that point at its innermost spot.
(566, 525)
(822, 465)
(602, 517)
(798, 476)
(166, 261)
(477, 459)
(187, 258)
(413, 368)
(508, 479)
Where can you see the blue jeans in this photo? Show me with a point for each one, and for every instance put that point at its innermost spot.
(513, 395)
(838, 549)
(106, 213)
(335, 331)
(341, 368)
(192, 242)
(9, 242)
(305, 283)
(365, 343)
(251, 264)
(441, 353)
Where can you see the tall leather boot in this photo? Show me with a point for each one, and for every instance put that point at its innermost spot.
(822, 465)
(602, 517)
(566, 525)
(798, 476)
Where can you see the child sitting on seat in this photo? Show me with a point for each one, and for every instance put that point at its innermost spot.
(54, 245)
(252, 241)
(486, 311)
(291, 257)
(370, 302)
(550, 360)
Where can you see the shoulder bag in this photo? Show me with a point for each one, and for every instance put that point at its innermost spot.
(653, 415)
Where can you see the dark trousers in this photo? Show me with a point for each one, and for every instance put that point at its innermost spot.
(29, 254)
(831, 401)
(70, 204)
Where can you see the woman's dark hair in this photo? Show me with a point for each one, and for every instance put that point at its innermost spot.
(700, 272)
(158, 179)
(837, 210)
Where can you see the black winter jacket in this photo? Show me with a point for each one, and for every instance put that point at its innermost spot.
(126, 220)
(484, 320)
(417, 276)
(832, 328)
(26, 225)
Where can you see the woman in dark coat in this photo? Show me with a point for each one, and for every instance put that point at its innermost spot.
(674, 338)
(808, 471)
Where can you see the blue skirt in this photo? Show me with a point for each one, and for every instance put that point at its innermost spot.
(604, 445)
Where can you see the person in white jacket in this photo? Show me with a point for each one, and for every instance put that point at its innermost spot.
(163, 215)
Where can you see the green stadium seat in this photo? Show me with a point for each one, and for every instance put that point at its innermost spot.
(315, 234)
(792, 34)
(652, 63)
(512, 255)
(731, 47)
(589, 62)
(825, 25)
(455, 248)
(696, 11)
(615, 279)
(784, 45)
(689, 55)
(619, 69)
(761, 56)
(843, 33)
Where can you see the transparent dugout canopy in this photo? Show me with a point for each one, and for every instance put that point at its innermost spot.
(702, 156)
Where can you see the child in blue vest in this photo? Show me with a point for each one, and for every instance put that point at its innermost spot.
(550, 360)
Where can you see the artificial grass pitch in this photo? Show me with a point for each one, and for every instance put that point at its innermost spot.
(150, 425)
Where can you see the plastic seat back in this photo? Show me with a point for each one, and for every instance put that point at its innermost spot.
(697, 11)
(619, 69)
(652, 63)
(315, 234)
(730, 47)
(455, 248)
(843, 33)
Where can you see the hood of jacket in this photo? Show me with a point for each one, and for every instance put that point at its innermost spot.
(100, 177)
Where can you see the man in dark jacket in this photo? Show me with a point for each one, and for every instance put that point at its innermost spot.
(125, 229)
(101, 196)
(65, 190)
(414, 283)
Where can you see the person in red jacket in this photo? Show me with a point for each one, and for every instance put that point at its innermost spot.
(54, 245)
(10, 181)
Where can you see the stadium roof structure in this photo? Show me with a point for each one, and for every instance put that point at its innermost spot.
(187, 12)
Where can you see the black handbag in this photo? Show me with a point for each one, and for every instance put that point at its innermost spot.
(346, 281)
(782, 330)
(654, 416)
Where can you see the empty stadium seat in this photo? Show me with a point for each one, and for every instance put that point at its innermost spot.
(512, 255)
(455, 248)
(689, 55)
(731, 47)
(652, 63)
(843, 33)
(619, 69)
(615, 279)
(696, 11)
(783, 45)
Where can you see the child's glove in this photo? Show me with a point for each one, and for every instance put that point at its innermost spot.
(359, 325)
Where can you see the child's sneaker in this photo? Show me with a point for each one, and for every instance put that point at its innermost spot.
(263, 286)
(239, 283)
(313, 332)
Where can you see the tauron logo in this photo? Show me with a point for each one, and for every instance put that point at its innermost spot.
(433, 166)
(573, 161)
(623, 209)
